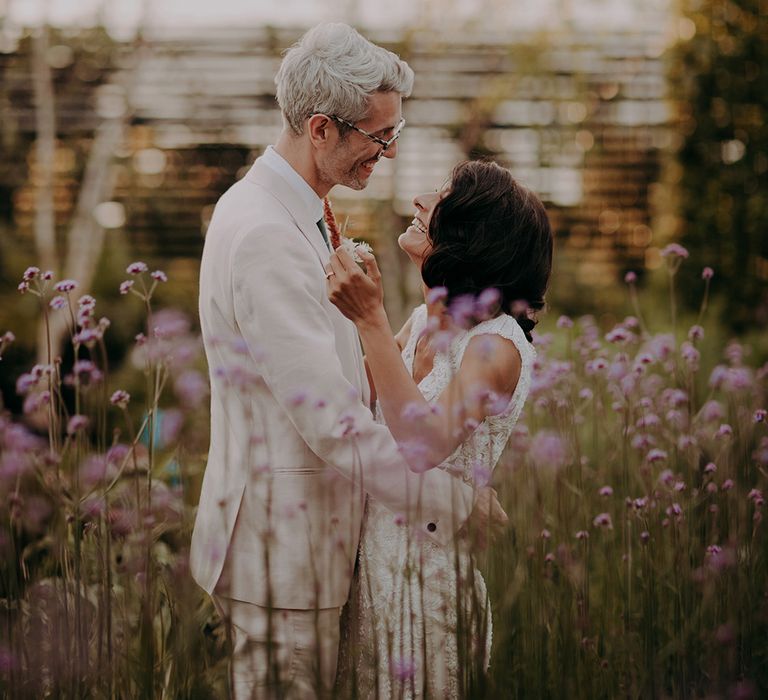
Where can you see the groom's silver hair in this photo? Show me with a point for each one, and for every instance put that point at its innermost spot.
(333, 70)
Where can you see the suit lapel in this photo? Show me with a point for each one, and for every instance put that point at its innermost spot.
(263, 175)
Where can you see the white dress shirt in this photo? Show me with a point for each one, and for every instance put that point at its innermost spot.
(298, 184)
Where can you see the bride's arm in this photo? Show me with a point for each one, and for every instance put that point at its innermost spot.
(427, 435)
(401, 339)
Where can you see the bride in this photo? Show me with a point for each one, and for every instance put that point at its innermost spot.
(450, 386)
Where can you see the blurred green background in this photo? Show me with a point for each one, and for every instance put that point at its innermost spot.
(639, 124)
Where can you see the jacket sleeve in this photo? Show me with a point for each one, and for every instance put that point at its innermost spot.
(279, 288)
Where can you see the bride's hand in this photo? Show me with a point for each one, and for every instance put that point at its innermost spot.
(487, 520)
(356, 293)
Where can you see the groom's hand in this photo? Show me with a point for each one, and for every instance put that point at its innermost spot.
(486, 521)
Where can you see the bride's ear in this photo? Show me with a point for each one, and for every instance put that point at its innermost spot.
(319, 129)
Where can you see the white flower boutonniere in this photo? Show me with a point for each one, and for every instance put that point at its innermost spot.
(337, 237)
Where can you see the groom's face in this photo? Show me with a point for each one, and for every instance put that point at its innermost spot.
(352, 159)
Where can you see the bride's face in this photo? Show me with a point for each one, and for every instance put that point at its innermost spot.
(415, 241)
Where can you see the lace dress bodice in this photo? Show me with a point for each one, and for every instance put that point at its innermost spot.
(417, 609)
(483, 448)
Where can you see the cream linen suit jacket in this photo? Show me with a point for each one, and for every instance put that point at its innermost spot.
(293, 446)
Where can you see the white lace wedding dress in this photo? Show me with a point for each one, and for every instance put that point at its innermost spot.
(418, 623)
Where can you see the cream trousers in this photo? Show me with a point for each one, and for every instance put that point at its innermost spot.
(288, 654)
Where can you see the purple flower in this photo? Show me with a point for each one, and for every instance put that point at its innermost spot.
(724, 431)
(125, 287)
(619, 335)
(25, 383)
(462, 310)
(87, 336)
(170, 426)
(645, 537)
(642, 442)
(548, 451)
(7, 337)
(84, 373)
(564, 322)
(159, 276)
(603, 520)
(755, 495)
(582, 535)
(656, 455)
(645, 358)
(630, 277)
(606, 491)
(674, 397)
(23, 287)
(650, 420)
(545, 534)
(640, 503)
(730, 378)
(192, 388)
(437, 294)
(711, 468)
(727, 485)
(667, 477)
(685, 442)
(712, 411)
(65, 286)
(136, 268)
(596, 365)
(58, 303)
(86, 302)
(760, 415)
(170, 324)
(76, 424)
(674, 510)
(707, 273)
(413, 411)
(695, 333)
(760, 455)
(487, 303)
(481, 474)
(691, 355)
(120, 398)
(30, 273)
(187, 386)
(403, 669)
(674, 250)
(84, 317)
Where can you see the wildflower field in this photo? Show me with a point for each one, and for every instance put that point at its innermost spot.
(635, 563)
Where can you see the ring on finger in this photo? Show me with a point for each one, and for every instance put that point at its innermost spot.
(329, 274)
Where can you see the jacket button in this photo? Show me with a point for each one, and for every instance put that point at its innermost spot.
(431, 527)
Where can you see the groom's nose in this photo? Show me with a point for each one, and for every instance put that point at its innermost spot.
(390, 152)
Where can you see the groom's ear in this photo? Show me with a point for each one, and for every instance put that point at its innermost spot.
(319, 128)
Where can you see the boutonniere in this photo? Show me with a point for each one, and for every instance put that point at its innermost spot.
(337, 237)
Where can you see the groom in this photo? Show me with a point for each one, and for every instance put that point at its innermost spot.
(293, 447)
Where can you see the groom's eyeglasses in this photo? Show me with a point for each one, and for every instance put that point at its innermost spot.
(384, 143)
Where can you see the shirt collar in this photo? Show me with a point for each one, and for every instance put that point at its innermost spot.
(297, 183)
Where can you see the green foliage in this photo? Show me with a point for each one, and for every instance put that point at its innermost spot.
(721, 79)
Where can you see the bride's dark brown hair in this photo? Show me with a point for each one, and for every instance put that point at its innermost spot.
(489, 231)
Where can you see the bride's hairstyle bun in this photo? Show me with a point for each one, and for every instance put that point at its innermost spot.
(489, 231)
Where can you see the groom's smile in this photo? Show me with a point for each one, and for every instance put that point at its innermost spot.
(359, 145)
